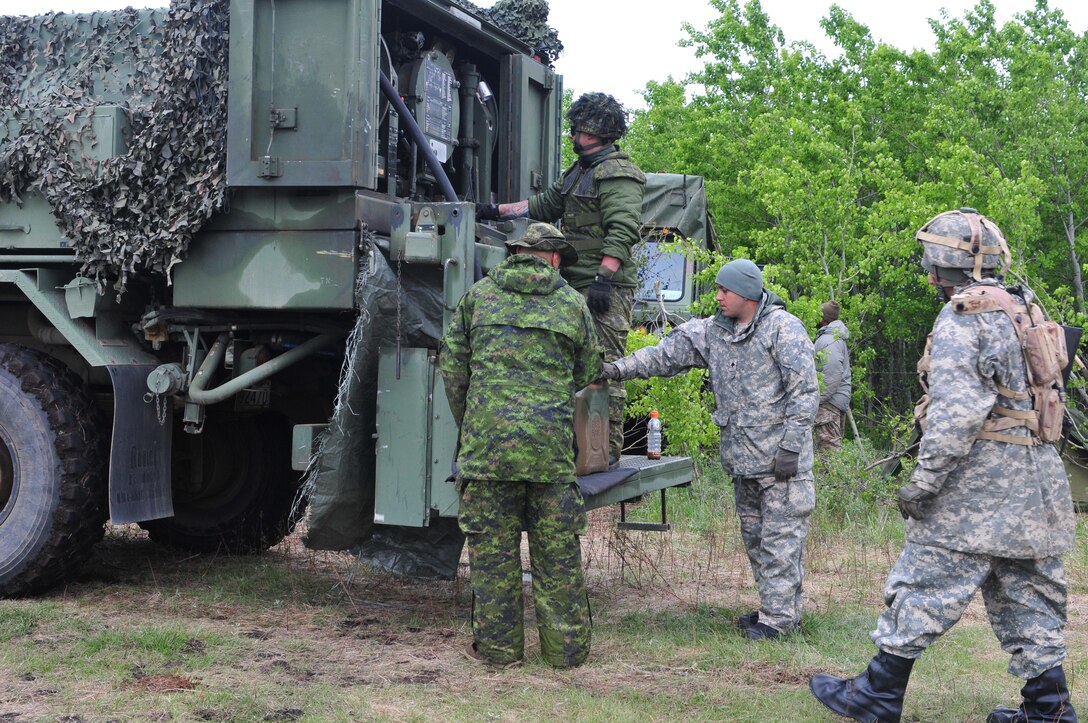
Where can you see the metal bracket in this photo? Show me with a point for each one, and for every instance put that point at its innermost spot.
(269, 167)
(662, 526)
(283, 118)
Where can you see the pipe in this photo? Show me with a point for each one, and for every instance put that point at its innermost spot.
(416, 132)
(199, 395)
(469, 85)
(43, 331)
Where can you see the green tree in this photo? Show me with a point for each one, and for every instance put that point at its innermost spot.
(821, 169)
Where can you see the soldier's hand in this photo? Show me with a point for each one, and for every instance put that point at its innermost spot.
(610, 371)
(599, 296)
(487, 212)
(912, 499)
(785, 464)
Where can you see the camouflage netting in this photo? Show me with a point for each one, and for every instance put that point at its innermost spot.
(167, 70)
(526, 20)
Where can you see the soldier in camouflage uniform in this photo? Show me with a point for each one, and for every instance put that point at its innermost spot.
(599, 200)
(833, 364)
(983, 513)
(520, 344)
(764, 381)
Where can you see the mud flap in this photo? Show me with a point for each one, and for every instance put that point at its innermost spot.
(139, 451)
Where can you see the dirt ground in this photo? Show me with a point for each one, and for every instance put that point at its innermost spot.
(323, 616)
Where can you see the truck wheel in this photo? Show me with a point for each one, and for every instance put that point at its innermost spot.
(234, 489)
(53, 484)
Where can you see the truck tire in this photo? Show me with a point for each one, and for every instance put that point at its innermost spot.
(234, 489)
(53, 483)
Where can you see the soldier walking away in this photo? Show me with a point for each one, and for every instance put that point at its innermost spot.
(515, 460)
(763, 377)
(988, 505)
(599, 200)
(833, 362)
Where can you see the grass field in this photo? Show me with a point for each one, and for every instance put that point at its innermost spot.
(149, 634)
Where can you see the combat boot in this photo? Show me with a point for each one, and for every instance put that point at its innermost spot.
(747, 620)
(1046, 700)
(875, 695)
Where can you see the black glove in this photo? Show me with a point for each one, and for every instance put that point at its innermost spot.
(610, 371)
(487, 212)
(911, 497)
(785, 464)
(599, 296)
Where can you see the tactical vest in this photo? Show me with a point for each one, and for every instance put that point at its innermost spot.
(1045, 357)
(581, 223)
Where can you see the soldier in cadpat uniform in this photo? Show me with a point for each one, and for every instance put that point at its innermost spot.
(764, 381)
(599, 202)
(988, 506)
(520, 345)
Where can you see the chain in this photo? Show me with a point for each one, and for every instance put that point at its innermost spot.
(161, 406)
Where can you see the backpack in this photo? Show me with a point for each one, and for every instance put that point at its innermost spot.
(1045, 357)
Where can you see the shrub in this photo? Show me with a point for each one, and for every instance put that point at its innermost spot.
(684, 403)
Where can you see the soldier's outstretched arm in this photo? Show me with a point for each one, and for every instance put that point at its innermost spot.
(683, 348)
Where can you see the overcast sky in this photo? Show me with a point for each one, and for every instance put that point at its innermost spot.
(616, 46)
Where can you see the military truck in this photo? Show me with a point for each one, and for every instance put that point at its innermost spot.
(226, 264)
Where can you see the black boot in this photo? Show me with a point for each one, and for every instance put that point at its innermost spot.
(1046, 700)
(875, 695)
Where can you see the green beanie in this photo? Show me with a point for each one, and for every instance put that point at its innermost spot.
(741, 277)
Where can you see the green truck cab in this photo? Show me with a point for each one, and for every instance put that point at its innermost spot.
(205, 331)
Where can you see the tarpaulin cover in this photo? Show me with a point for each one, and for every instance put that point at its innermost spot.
(340, 482)
(677, 202)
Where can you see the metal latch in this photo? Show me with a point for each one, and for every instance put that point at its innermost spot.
(269, 167)
(283, 118)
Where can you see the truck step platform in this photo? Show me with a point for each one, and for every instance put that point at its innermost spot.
(635, 476)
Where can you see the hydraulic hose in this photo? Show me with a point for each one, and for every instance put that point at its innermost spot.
(416, 132)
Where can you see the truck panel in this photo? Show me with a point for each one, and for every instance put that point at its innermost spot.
(269, 270)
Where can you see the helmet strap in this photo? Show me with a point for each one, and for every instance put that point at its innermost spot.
(973, 245)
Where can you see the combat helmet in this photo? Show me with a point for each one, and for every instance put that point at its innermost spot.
(598, 114)
(545, 237)
(965, 240)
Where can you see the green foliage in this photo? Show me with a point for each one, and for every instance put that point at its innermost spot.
(684, 403)
(821, 169)
(850, 488)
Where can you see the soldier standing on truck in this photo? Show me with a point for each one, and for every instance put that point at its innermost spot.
(599, 200)
(763, 376)
(520, 345)
(988, 505)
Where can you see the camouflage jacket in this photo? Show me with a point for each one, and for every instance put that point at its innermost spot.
(520, 344)
(764, 380)
(993, 497)
(833, 362)
(599, 203)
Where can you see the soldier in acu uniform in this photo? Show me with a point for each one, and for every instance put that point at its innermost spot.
(833, 362)
(763, 376)
(988, 506)
(520, 344)
(599, 202)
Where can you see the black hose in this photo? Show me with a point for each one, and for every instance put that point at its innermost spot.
(416, 132)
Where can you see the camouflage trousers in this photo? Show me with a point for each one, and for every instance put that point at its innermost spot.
(774, 519)
(492, 516)
(928, 589)
(828, 428)
(612, 327)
